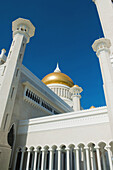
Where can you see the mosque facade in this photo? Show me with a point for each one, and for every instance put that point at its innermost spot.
(42, 123)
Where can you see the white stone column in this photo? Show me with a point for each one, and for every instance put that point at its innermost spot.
(109, 157)
(28, 159)
(51, 159)
(76, 90)
(22, 31)
(35, 158)
(68, 158)
(15, 161)
(83, 157)
(59, 158)
(43, 159)
(92, 157)
(22, 158)
(77, 158)
(101, 47)
(87, 157)
(98, 157)
(106, 7)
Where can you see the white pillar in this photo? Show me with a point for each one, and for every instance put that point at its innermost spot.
(43, 159)
(77, 158)
(59, 158)
(109, 157)
(28, 159)
(84, 158)
(15, 161)
(35, 158)
(76, 90)
(106, 7)
(87, 158)
(101, 47)
(68, 158)
(51, 159)
(22, 158)
(92, 157)
(98, 157)
(10, 83)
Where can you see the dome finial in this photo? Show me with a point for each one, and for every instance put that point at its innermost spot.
(57, 70)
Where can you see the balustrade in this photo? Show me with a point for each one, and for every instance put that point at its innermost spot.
(66, 158)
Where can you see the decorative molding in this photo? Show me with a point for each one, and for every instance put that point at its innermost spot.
(73, 119)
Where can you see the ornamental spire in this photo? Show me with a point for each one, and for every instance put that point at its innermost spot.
(57, 70)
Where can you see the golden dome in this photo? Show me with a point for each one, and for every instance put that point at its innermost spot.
(76, 85)
(57, 78)
(92, 107)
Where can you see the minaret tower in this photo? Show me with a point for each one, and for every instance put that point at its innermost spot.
(105, 11)
(75, 91)
(102, 49)
(22, 31)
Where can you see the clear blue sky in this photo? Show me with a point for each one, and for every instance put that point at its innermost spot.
(65, 31)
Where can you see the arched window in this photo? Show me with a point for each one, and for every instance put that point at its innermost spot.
(11, 136)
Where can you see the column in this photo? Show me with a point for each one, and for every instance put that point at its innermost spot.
(43, 159)
(59, 158)
(35, 158)
(83, 157)
(28, 159)
(10, 82)
(98, 157)
(92, 157)
(77, 158)
(22, 158)
(51, 159)
(15, 161)
(67, 158)
(87, 157)
(103, 159)
(106, 7)
(75, 91)
(109, 157)
(39, 160)
(74, 151)
(102, 49)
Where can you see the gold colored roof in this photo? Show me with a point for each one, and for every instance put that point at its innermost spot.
(76, 85)
(57, 78)
(92, 107)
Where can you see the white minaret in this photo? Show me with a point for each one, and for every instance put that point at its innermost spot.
(22, 31)
(102, 49)
(75, 91)
(105, 11)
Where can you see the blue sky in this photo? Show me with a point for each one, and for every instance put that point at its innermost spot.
(65, 31)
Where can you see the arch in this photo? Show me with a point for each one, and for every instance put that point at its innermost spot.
(71, 146)
(102, 145)
(46, 147)
(81, 145)
(54, 147)
(62, 146)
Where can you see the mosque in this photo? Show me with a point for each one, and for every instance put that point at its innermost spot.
(42, 123)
